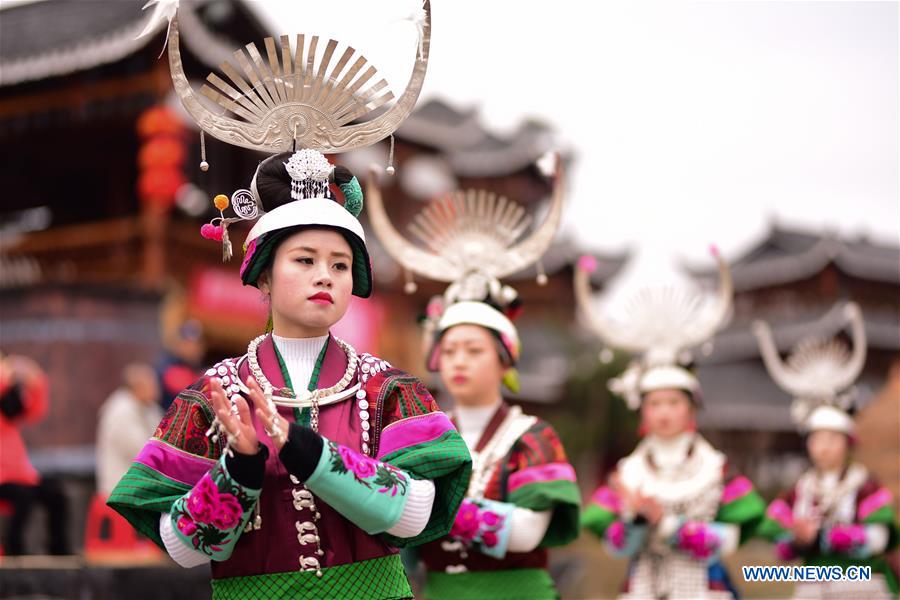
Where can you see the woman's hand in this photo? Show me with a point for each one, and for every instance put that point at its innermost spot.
(276, 426)
(806, 530)
(238, 426)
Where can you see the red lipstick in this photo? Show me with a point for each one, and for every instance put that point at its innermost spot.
(322, 298)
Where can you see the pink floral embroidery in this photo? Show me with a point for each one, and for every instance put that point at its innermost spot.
(466, 525)
(490, 518)
(202, 501)
(357, 464)
(186, 526)
(784, 551)
(370, 473)
(844, 538)
(474, 523)
(489, 539)
(615, 535)
(227, 513)
(698, 540)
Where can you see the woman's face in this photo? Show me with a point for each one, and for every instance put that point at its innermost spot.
(827, 449)
(470, 365)
(310, 283)
(667, 413)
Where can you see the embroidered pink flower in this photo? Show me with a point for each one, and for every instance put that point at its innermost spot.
(489, 539)
(186, 526)
(467, 523)
(227, 512)
(491, 519)
(697, 539)
(202, 501)
(358, 464)
(784, 551)
(843, 538)
(615, 535)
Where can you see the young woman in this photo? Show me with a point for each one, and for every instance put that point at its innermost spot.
(523, 497)
(671, 506)
(837, 513)
(297, 469)
(325, 460)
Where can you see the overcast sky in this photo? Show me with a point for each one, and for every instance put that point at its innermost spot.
(693, 122)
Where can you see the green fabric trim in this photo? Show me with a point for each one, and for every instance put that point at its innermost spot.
(445, 461)
(381, 577)
(302, 416)
(511, 584)
(746, 512)
(142, 495)
(748, 507)
(596, 519)
(882, 515)
(770, 529)
(561, 496)
(360, 499)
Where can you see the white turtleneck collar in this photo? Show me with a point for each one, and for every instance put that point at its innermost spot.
(299, 355)
(473, 420)
(670, 452)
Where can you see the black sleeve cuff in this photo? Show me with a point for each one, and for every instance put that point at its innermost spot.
(301, 452)
(248, 469)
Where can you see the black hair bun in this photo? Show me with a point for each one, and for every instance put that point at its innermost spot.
(273, 182)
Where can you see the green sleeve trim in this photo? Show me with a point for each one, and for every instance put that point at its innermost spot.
(882, 515)
(563, 498)
(447, 463)
(597, 519)
(770, 529)
(750, 507)
(142, 495)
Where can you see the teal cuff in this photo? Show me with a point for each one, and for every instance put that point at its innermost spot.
(370, 493)
(211, 516)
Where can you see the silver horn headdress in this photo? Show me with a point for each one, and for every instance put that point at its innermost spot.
(470, 239)
(294, 99)
(660, 326)
(819, 372)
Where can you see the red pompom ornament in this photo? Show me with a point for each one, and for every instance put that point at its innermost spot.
(212, 232)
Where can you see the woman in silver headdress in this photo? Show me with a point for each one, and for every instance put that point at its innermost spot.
(671, 506)
(837, 513)
(522, 498)
(299, 468)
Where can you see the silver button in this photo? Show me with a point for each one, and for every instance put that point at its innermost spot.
(222, 370)
(364, 415)
(364, 425)
(364, 404)
(365, 436)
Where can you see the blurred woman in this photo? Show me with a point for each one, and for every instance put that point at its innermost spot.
(837, 513)
(672, 506)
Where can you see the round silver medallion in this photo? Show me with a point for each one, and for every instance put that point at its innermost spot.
(244, 205)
